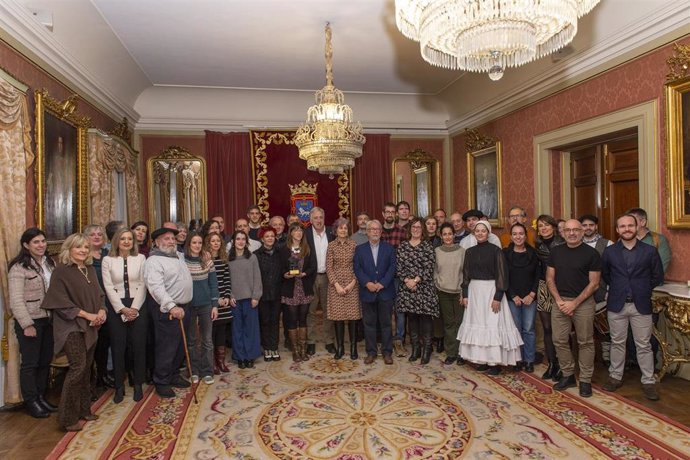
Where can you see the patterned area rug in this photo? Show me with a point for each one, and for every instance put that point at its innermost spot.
(327, 409)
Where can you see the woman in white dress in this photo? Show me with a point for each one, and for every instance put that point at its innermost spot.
(488, 335)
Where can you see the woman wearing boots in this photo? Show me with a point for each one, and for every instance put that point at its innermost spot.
(417, 296)
(298, 265)
(29, 277)
(123, 282)
(269, 304)
(343, 292)
(214, 245)
(547, 238)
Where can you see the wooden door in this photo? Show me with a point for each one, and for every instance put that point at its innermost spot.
(621, 182)
(604, 180)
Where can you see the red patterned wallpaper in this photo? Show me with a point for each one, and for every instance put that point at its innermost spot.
(637, 81)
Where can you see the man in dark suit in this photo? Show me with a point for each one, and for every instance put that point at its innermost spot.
(374, 265)
(318, 237)
(632, 269)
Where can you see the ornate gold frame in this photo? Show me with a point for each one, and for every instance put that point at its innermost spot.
(174, 154)
(677, 89)
(419, 159)
(479, 146)
(64, 111)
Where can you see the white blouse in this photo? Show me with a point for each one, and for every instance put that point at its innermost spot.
(114, 283)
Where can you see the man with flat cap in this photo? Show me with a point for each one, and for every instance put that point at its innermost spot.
(169, 283)
(471, 218)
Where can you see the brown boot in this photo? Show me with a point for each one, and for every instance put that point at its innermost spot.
(302, 339)
(216, 364)
(296, 357)
(221, 359)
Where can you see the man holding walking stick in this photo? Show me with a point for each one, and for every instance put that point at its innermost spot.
(170, 286)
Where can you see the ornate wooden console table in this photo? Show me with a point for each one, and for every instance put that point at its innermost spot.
(672, 302)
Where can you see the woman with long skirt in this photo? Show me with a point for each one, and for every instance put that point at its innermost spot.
(488, 335)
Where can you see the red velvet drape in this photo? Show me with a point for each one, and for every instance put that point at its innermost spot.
(371, 177)
(229, 168)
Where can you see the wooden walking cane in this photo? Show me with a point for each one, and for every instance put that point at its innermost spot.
(189, 363)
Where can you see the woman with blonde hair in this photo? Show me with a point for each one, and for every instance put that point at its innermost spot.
(79, 311)
(123, 282)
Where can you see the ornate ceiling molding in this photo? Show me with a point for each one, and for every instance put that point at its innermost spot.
(679, 63)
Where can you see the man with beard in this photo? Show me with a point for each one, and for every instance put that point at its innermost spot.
(170, 287)
(393, 234)
(631, 269)
(440, 216)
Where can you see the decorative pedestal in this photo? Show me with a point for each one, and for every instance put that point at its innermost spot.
(672, 302)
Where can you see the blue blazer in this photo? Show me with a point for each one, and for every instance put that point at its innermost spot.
(383, 271)
(645, 274)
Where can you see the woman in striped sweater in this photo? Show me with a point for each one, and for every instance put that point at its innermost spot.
(203, 308)
(214, 245)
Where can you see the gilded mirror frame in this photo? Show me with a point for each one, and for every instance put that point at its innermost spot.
(61, 128)
(677, 92)
(425, 179)
(484, 189)
(179, 156)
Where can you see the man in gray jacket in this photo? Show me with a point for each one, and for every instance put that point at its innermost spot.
(170, 287)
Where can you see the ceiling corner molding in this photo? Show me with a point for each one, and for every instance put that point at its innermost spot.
(649, 28)
(18, 23)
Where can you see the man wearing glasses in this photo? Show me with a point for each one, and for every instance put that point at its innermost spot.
(572, 276)
(518, 215)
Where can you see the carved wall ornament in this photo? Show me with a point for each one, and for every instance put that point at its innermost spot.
(122, 131)
(475, 141)
(418, 158)
(679, 63)
(674, 341)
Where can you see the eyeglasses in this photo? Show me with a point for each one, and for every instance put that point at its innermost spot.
(515, 216)
(572, 230)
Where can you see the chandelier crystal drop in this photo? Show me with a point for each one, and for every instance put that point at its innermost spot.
(329, 140)
(489, 35)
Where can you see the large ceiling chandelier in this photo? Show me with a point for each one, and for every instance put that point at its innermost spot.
(329, 140)
(489, 35)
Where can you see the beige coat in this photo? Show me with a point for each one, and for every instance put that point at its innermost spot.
(27, 289)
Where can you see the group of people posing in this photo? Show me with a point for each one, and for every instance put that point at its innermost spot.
(451, 283)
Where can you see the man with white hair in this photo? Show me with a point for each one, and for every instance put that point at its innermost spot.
(169, 283)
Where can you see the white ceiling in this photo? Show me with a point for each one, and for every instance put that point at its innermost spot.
(164, 63)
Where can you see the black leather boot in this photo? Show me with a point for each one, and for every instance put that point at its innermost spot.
(426, 350)
(46, 405)
(339, 339)
(35, 409)
(416, 351)
(549, 372)
(352, 332)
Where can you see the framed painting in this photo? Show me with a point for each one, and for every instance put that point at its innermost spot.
(678, 152)
(484, 182)
(61, 168)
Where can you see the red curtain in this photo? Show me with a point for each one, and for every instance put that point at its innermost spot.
(229, 169)
(371, 177)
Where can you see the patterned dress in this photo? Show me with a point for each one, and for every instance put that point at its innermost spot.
(339, 268)
(417, 261)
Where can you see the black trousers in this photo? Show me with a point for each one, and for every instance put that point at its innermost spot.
(269, 319)
(128, 339)
(36, 353)
(169, 351)
(102, 349)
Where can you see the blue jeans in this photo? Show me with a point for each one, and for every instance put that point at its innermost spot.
(200, 341)
(524, 321)
(246, 338)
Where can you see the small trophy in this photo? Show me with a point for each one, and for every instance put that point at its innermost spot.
(294, 267)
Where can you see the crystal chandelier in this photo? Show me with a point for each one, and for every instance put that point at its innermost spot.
(329, 140)
(489, 35)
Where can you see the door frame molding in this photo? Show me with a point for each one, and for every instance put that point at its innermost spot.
(642, 116)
